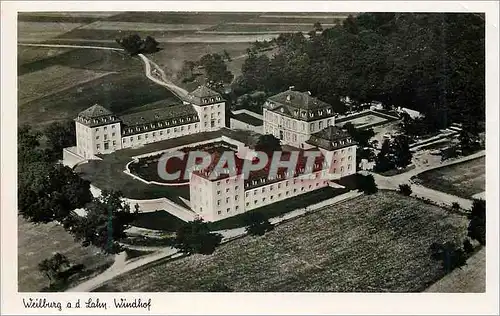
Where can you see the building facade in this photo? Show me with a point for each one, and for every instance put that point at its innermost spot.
(293, 116)
(99, 131)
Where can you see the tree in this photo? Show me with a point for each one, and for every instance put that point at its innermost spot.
(318, 27)
(134, 45)
(401, 151)
(227, 56)
(257, 224)
(469, 138)
(268, 143)
(451, 256)
(49, 192)
(53, 266)
(216, 69)
(28, 146)
(455, 206)
(468, 248)
(383, 160)
(107, 219)
(405, 189)
(195, 237)
(366, 183)
(477, 221)
(59, 136)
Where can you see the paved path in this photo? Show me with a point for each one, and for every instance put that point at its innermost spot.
(392, 183)
(468, 279)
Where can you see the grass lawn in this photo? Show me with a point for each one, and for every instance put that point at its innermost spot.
(37, 242)
(463, 179)
(159, 220)
(375, 243)
(116, 92)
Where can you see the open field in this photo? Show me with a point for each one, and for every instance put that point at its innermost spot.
(94, 59)
(184, 17)
(39, 31)
(75, 16)
(142, 26)
(39, 241)
(376, 243)
(260, 28)
(26, 54)
(463, 179)
(116, 92)
(51, 80)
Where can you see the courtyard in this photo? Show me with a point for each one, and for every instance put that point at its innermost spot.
(375, 243)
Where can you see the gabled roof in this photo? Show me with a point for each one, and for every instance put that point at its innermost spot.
(151, 120)
(94, 111)
(299, 100)
(204, 95)
(97, 115)
(331, 138)
(299, 105)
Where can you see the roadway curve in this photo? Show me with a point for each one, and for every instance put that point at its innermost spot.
(148, 65)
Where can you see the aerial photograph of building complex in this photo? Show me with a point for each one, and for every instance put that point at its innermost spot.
(251, 152)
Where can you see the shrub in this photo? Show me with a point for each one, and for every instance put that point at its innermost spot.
(405, 189)
(195, 237)
(455, 206)
(257, 224)
(366, 184)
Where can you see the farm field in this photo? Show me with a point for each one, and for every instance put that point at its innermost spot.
(244, 28)
(27, 54)
(75, 16)
(377, 243)
(463, 179)
(39, 31)
(117, 92)
(184, 17)
(55, 239)
(35, 85)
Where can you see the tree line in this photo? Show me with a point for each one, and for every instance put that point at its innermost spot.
(433, 63)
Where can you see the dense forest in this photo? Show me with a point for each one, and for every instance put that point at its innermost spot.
(431, 62)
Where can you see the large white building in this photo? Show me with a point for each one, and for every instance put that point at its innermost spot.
(99, 131)
(300, 121)
(293, 116)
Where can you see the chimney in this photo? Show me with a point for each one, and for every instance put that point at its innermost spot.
(309, 92)
(291, 88)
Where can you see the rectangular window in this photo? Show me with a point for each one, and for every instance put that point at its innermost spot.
(218, 192)
(272, 196)
(218, 202)
(146, 135)
(263, 199)
(154, 134)
(237, 207)
(114, 143)
(98, 146)
(124, 140)
(246, 194)
(247, 204)
(105, 128)
(106, 146)
(97, 137)
(218, 212)
(97, 129)
(236, 188)
(161, 132)
(113, 126)
(236, 198)
(131, 139)
(227, 210)
(182, 128)
(255, 202)
(263, 190)
(168, 131)
(113, 134)
(227, 200)
(139, 137)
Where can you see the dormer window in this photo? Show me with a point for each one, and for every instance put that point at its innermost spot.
(304, 114)
(282, 110)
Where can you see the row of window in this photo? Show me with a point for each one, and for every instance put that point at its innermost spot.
(105, 128)
(160, 133)
(228, 210)
(227, 189)
(271, 187)
(106, 145)
(236, 198)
